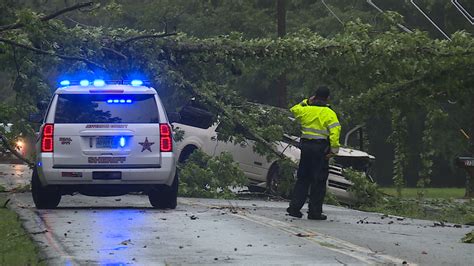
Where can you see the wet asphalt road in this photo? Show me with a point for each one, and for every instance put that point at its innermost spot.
(125, 230)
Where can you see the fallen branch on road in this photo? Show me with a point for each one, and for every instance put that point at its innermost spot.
(5, 142)
(6, 203)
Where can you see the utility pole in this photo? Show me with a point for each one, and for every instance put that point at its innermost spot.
(281, 30)
(470, 178)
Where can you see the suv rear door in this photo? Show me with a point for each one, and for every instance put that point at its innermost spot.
(106, 130)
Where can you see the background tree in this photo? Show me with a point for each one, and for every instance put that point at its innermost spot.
(410, 88)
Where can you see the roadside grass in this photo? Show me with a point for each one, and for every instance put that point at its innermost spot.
(16, 247)
(442, 205)
(2, 188)
(430, 193)
(439, 210)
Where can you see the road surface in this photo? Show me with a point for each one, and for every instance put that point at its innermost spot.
(126, 230)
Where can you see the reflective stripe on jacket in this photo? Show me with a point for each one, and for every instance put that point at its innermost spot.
(318, 122)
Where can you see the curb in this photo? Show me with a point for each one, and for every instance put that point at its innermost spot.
(50, 250)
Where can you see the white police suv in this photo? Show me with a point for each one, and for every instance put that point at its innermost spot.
(104, 139)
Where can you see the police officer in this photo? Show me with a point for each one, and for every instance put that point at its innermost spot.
(319, 140)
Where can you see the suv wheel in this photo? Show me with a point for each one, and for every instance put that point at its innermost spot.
(43, 197)
(163, 196)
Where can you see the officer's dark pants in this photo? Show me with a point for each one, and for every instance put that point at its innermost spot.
(312, 173)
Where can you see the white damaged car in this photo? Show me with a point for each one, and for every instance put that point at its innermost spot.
(201, 133)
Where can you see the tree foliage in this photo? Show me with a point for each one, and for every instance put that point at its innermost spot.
(375, 70)
(210, 177)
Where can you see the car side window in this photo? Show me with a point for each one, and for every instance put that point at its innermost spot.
(196, 117)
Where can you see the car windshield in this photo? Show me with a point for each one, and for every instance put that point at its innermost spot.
(106, 108)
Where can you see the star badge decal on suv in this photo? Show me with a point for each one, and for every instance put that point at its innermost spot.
(146, 145)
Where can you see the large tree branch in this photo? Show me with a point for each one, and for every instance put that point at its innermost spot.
(115, 52)
(141, 37)
(48, 17)
(44, 52)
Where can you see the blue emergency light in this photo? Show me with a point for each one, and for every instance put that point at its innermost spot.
(136, 83)
(65, 83)
(122, 142)
(119, 101)
(99, 83)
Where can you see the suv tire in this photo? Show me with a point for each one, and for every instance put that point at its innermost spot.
(43, 197)
(163, 196)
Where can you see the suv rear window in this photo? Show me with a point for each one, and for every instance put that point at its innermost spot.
(106, 108)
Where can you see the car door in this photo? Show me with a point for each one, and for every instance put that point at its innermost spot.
(250, 162)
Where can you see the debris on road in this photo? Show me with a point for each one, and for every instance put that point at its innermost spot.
(40, 232)
(364, 221)
(468, 238)
(305, 234)
(398, 218)
(443, 224)
(126, 242)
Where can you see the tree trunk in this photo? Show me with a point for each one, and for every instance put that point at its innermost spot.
(281, 18)
(470, 170)
(281, 29)
(469, 183)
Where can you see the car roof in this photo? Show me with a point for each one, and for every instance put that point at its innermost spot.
(114, 89)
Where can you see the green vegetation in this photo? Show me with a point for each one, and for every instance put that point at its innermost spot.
(468, 238)
(367, 193)
(436, 206)
(436, 209)
(22, 189)
(16, 247)
(209, 177)
(2, 188)
(225, 54)
(430, 193)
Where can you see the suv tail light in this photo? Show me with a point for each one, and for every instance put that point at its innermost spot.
(47, 142)
(166, 143)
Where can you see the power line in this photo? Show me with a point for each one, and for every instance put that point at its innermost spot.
(463, 11)
(334, 14)
(429, 19)
(370, 2)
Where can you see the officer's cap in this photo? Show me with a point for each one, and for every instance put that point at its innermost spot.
(322, 92)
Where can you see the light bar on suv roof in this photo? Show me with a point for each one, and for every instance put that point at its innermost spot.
(101, 82)
(106, 91)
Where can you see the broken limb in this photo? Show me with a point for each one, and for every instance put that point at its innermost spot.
(44, 52)
(47, 17)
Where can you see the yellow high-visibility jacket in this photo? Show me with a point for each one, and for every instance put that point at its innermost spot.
(318, 122)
